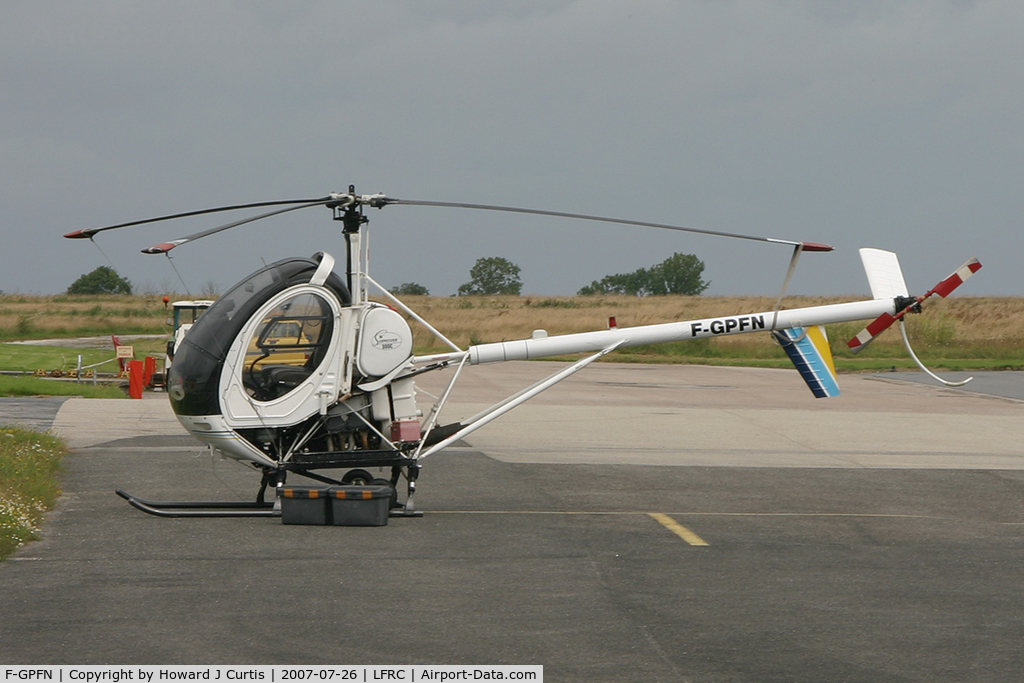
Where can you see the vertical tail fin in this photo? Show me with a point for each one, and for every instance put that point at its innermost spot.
(886, 280)
(884, 274)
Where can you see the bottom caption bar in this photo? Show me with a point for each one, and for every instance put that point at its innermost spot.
(405, 673)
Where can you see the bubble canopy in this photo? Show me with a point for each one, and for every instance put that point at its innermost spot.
(192, 381)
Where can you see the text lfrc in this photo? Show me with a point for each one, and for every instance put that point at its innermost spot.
(389, 675)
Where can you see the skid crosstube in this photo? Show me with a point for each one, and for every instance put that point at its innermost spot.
(342, 459)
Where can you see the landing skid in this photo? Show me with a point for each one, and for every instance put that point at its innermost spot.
(223, 508)
(201, 508)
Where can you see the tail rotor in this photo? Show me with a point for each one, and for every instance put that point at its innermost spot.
(908, 304)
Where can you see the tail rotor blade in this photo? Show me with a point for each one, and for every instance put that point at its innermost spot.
(958, 277)
(868, 334)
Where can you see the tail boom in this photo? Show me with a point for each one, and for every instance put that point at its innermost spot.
(542, 346)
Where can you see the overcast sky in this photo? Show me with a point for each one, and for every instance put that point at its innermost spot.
(892, 124)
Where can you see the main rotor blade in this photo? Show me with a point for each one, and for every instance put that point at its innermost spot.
(380, 200)
(807, 246)
(89, 232)
(165, 247)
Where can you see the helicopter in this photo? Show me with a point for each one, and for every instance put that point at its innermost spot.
(295, 370)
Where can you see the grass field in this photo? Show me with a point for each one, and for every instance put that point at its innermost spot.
(35, 386)
(28, 358)
(29, 463)
(41, 317)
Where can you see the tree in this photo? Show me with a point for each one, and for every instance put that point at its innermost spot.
(678, 274)
(493, 275)
(622, 283)
(103, 280)
(410, 289)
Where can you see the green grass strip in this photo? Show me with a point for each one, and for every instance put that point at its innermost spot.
(36, 386)
(29, 358)
(29, 464)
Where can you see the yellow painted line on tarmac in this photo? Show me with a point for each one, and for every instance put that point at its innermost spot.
(691, 538)
(678, 529)
(666, 521)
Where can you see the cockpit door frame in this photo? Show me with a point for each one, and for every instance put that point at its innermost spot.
(333, 375)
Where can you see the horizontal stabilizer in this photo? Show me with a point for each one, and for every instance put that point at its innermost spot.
(809, 350)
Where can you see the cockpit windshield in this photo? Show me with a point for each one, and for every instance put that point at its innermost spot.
(287, 346)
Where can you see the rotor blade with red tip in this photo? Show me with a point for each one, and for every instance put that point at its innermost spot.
(167, 246)
(380, 200)
(805, 246)
(89, 232)
(885, 321)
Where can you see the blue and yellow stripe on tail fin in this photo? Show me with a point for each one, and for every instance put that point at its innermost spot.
(809, 350)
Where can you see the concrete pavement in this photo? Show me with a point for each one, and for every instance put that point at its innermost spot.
(684, 415)
(84, 422)
(741, 417)
(532, 553)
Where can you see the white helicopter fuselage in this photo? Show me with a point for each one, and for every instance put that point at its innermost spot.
(375, 343)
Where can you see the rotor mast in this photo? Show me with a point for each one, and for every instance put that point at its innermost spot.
(349, 210)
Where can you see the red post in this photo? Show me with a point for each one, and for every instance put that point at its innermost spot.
(135, 378)
(149, 368)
